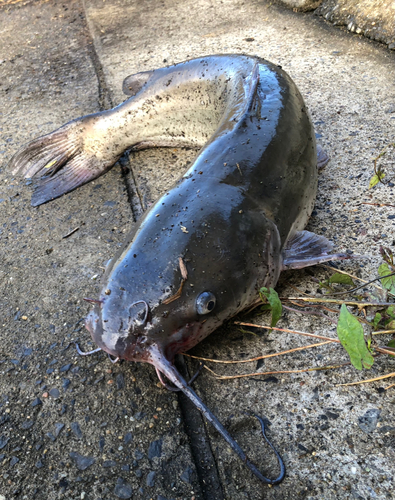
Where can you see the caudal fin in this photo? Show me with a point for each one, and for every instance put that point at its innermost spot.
(58, 162)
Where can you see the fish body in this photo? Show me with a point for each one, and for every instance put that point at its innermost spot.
(229, 225)
(229, 218)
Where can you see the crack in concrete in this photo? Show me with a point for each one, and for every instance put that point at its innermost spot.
(194, 425)
(202, 454)
(134, 195)
(105, 102)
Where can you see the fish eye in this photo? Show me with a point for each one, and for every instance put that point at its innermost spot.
(205, 302)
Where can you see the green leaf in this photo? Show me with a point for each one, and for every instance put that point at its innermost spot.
(388, 283)
(369, 339)
(325, 284)
(376, 320)
(391, 343)
(376, 179)
(391, 311)
(350, 333)
(341, 279)
(275, 303)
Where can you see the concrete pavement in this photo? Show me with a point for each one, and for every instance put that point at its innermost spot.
(73, 427)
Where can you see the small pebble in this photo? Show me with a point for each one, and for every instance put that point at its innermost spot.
(75, 427)
(151, 479)
(58, 429)
(120, 381)
(54, 392)
(155, 449)
(123, 489)
(80, 461)
(138, 455)
(27, 424)
(128, 438)
(109, 463)
(186, 476)
(368, 422)
(51, 436)
(66, 382)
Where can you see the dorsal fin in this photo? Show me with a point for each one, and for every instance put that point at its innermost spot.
(134, 83)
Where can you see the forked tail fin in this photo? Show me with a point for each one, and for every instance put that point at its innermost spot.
(164, 366)
(58, 162)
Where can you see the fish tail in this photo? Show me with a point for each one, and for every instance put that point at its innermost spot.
(58, 163)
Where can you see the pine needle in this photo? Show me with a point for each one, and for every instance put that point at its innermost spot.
(303, 370)
(369, 380)
(288, 331)
(340, 302)
(259, 357)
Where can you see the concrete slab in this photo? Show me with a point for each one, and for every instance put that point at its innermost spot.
(335, 73)
(56, 406)
(348, 85)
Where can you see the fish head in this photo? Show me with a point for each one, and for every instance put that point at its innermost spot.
(168, 310)
(170, 289)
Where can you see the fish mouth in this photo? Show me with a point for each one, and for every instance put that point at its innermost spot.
(138, 346)
(94, 324)
(125, 343)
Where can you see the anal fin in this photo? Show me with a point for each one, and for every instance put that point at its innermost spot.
(306, 249)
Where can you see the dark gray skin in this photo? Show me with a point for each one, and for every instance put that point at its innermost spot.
(227, 228)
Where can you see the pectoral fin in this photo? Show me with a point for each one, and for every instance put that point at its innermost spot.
(307, 249)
